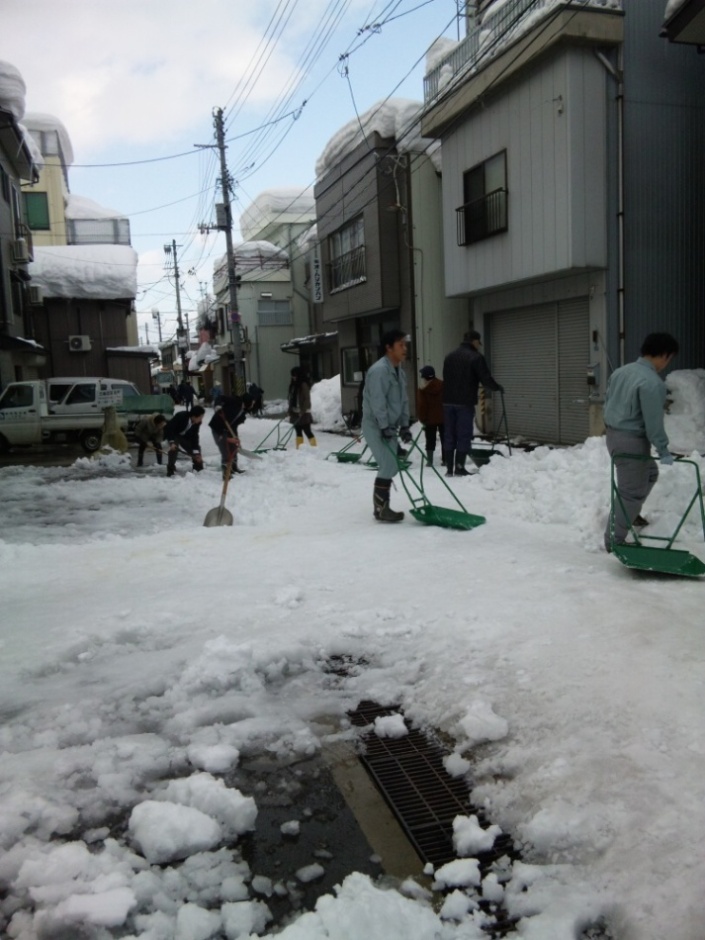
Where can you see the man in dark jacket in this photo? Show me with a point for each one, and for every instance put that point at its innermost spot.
(230, 412)
(182, 431)
(464, 370)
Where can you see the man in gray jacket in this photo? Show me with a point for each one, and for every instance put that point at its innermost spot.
(633, 416)
(385, 414)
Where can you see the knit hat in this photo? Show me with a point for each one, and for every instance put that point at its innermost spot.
(428, 372)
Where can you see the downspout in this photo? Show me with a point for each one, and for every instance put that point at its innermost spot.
(618, 75)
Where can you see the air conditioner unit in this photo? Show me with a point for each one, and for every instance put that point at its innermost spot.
(79, 343)
(36, 296)
(20, 250)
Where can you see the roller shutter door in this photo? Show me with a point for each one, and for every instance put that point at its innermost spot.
(540, 354)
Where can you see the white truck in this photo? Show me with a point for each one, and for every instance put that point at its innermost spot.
(71, 409)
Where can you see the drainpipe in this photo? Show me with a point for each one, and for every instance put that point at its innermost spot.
(618, 75)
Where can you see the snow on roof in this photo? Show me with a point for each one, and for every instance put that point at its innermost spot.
(79, 207)
(36, 122)
(396, 117)
(250, 255)
(98, 272)
(12, 90)
(672, 7)
(285, 204)
(308, 239)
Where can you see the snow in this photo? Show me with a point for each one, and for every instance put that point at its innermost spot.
(13, 90)
(143, 654)
(672, 7)
(37, 121)
(80, 207)
(285, 205)
(83, 272)
(398, 118)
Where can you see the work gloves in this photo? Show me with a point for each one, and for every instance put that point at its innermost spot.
(405, 435)
(389, 434)
(666, 459)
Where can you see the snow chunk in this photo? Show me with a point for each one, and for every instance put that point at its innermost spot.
(215, 758)
(166, 832)
(460, 873)
(469, 837)
(390, 726)
(106, 908)
(456, 905)
(480, 723)
(196, 923)
(234, 812)
(455, 765)
(290, 828)
(245, 918)
(310, 872)
(99, 272)
(492, 890)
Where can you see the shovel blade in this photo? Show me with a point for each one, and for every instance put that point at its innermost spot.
(218, 516)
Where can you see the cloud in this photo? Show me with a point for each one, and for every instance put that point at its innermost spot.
(140, 71)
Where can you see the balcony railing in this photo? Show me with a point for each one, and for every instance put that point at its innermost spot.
(482, 217)
(347, 269)
(488, 38)
(98, 231)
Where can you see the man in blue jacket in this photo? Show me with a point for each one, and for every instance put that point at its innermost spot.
(633, 416)
(385, 414)
(464, 370)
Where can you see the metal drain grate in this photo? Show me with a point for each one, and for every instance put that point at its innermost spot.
(410, 775)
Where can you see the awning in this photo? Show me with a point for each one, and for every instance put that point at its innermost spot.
(17, 344)
(686, 24)
(315, 341)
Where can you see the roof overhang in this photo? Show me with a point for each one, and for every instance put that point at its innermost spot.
(687, 25)
(13, 143)
(315, 341)
(20, 345)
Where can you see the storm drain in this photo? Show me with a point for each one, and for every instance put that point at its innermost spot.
(409, 774)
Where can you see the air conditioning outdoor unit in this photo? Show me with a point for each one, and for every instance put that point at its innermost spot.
(79, 343)
(36, 296)
(20, 250)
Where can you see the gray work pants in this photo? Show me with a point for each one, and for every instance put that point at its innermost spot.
(635, 480)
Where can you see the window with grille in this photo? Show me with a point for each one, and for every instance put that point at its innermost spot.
(346, 250)
(37, 211)
(484, 209)
(272, 312)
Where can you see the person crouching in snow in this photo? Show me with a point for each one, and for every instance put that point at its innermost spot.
(150, 432)
(183, 431)
(300, 405)
(429, 411)
(230, 412)
(385, 414)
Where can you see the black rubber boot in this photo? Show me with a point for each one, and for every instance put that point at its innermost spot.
(450, 457)
(380, 499)
(429, 458)
(460, 470)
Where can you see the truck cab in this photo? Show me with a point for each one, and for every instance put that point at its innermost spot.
(87, 395)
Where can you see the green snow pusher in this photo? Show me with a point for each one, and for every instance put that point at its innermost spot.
(283, 436)
(345, 455)
(662, 559)
(480, 456)
(422, 509)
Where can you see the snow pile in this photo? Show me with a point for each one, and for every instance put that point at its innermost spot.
(37, 122)
(83, 272)
(685, 418)
(281, 206)
(12, 90)
(79, 207)
(326, 408)
(396, 118)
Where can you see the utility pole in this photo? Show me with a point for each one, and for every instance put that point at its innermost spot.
(146, 334)
(181, 334)
(224, 221)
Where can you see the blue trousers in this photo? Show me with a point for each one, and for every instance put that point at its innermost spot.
(458, 426)
(635, 479)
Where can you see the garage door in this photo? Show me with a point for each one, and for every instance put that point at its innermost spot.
(540, 355)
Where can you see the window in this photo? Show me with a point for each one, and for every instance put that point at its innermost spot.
(81, 394)
(37, 210)
(274, 312)
(57, 391)
(352, 374)
(18, 396)
(484, 209)
(346, 250)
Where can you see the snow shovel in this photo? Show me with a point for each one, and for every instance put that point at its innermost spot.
(664, 560)
(282, 438)
(421, 507)
(345, 456)
(220, 515)
(480, 456)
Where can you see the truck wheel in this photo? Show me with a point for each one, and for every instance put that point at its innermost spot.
(90, 440)
(4, 445)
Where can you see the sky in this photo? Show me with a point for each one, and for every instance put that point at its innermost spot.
(137, 83)
(146, 659)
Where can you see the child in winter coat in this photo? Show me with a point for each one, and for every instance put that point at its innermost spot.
(429, 410)
(300, 405)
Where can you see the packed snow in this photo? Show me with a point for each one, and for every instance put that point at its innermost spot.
(145, 656)
(285, 204)
(101, 272)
